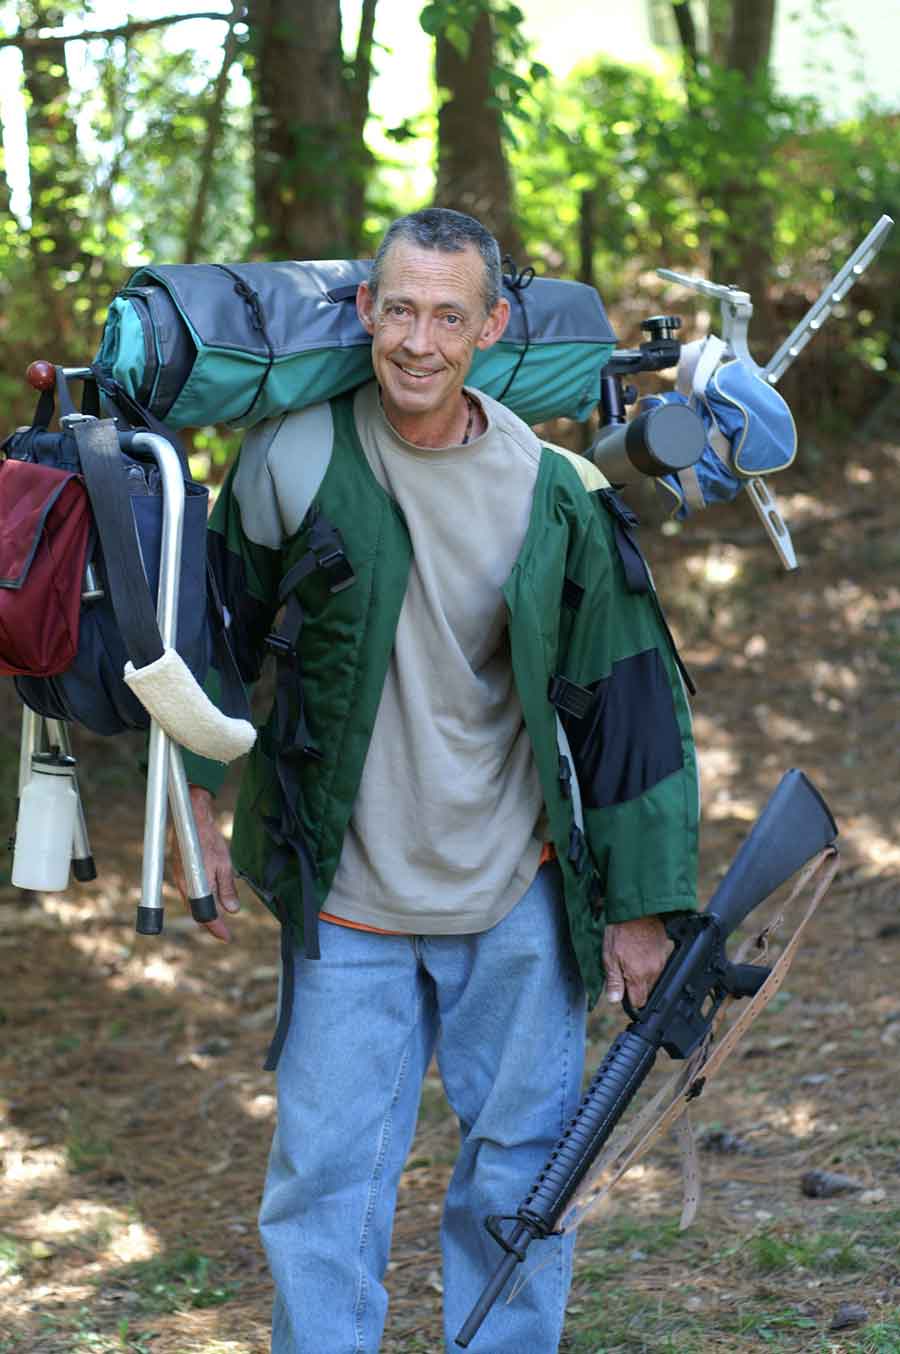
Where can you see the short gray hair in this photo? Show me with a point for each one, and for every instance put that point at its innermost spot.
(452, 232)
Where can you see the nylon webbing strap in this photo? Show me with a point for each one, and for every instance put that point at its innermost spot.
(326, 553)
(690, 486)
(104, 475)
(286, 992)
(637, 574)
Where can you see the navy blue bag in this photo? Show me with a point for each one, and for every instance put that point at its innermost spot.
(117, 618)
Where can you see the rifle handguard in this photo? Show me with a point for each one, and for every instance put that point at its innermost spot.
(611, 1091)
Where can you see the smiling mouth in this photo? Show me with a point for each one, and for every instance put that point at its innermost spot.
(415, 372)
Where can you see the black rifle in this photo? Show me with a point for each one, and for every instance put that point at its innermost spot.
(794, 826)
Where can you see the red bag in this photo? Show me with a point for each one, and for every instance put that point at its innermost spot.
(45, 524)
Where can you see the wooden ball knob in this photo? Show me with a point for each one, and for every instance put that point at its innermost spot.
(41, 375)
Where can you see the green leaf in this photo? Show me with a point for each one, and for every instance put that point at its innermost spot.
(432, 19)
(460, 39)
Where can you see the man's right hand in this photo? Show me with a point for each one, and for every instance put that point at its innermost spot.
(216, 861)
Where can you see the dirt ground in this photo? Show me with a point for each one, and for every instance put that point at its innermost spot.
(135, 1115)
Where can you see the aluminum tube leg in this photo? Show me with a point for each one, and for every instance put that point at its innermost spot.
(29, 744)
(162, 752)
(202, 901)
(150, 911)
(83, 866)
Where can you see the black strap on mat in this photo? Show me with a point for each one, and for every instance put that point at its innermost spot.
(104, 476)
(254, 305)
(517, 281)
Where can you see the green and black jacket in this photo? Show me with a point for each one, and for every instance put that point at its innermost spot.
(588, 643)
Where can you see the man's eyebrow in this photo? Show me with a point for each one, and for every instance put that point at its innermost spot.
(390, 298)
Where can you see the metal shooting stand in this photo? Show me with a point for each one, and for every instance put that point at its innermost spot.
(736, 308)
(166, 780)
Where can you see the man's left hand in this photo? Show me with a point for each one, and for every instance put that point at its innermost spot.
(634, 955)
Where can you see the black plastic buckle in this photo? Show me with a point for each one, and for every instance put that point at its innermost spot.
(282, 648)
(565, 777)
(569, 697)
(337, 563)
(577, 853)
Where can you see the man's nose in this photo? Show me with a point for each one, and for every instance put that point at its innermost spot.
(420, 335)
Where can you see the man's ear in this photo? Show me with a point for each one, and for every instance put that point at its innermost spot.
(365, 307)
(494, 326)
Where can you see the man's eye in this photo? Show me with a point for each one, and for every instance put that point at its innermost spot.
(453, 320)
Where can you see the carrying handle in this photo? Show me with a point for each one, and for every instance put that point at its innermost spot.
(51, 380)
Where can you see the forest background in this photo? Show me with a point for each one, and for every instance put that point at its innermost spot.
(134, 1117)
(261, 142)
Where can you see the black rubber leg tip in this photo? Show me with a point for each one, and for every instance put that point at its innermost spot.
(149, 921)
(204, 909)
(84, 869)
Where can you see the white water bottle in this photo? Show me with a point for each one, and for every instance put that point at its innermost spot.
(46, 825)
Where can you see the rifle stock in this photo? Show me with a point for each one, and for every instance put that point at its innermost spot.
(794, 826)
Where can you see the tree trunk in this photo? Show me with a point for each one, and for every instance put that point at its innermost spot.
(750, 39)
(194, 235)
(5, 194)
(718, 22)
(740, 40)
(687, 34)
(472, 174)
(55, 177)
(587, 236)
(750, 259)
(360, 162)
(299, 129)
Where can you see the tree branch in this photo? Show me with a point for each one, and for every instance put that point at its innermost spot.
(750, 40)
(210, 141)
(687, 33)
(362, 67)
(30, 39)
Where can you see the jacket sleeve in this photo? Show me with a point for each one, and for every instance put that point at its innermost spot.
(633, 748)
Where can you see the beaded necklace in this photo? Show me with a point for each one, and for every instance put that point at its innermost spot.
(471, 422)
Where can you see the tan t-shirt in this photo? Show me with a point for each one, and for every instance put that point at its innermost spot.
(444, 836)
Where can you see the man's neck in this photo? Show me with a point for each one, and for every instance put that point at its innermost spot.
(443, 428)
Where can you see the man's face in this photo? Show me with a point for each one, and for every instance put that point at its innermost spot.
(427, 322)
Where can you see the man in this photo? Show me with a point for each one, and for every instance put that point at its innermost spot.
(413, 786)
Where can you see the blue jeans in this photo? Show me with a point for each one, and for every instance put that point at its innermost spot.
(504, 1012)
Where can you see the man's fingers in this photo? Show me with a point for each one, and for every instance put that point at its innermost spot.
(634, 955)
(218, 929)
(615, 979)
(638, 992)
(226, 893)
